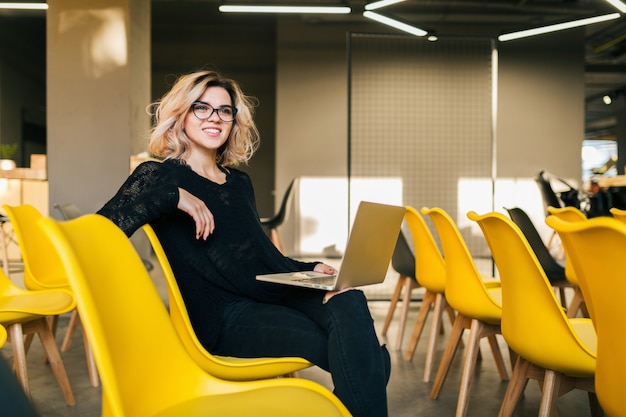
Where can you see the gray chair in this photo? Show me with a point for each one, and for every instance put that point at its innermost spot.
(403, 262)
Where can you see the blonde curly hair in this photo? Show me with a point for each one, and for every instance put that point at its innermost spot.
(168, 139)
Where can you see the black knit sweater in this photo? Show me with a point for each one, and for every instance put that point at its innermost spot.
(210, 273)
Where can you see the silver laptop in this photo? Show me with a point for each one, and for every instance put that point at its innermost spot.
(368, 252)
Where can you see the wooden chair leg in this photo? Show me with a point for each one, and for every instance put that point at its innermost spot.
(497, 356)
(440, 306)
(94, 377)
(460, 324)
(576, 304)
(422, 314)
(54, 357)
(409, 285)
(550, 394)
(515, 388)
(69, 333)
(392, 305)
(16, 336)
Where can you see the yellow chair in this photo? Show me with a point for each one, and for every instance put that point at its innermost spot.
(43, 270)
(552, 347)
(571, 214)
(431, 270)
(3, 336)
(229, 368)
(598, 249)
(145, 369)
(24, 312)
(619, 214)
(478, 308)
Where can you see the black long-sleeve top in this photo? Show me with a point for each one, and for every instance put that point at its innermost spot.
(210, 273)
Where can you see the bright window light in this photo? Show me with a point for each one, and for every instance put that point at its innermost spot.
(325, 222)
(394, 23)
(24, 6)
(283, 9)
(382, 3)
(618, 5)
(557, 27)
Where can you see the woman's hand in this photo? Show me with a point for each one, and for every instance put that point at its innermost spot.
(202, 216)
(325, 269)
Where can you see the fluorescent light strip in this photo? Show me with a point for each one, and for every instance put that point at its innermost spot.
(394, 23)
(24, 6)
(382, 3)
(559, 26)
(618, 5)
(284, 9)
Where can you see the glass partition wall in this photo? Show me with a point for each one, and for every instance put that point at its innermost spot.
(421, 121)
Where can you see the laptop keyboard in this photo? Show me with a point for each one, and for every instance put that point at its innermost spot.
(319, 280)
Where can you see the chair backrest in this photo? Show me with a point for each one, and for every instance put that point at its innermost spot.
(568, 214)
(123, 316)
(533, 324)
(232, 370)
(69, 211)
(430, 268)
(178, 312)
(619, 214)
(598, 247)
(465, 289)
(42, 266)
(554, 271)
(402, 259)
(281, 215)
(547, 193)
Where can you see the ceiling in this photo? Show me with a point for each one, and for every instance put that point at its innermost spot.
(605, 52)
(605, 42)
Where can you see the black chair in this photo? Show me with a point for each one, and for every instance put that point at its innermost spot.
(270, 224)
(554, 271)
(403, 262)
(547, 193)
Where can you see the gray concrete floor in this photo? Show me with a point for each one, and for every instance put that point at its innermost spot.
(407, 393)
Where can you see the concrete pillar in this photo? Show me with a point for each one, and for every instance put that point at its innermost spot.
(98, 88)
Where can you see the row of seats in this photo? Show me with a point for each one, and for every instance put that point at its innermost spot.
(129, 338)
(548, 343)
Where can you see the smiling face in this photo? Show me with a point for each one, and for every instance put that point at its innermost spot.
(210, 134)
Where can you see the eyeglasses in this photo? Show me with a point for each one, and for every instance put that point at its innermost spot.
(204, 111)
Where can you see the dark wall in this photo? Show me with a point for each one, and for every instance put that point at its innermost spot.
(185, 36)
(188, 38)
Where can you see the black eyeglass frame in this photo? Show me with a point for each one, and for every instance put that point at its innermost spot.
(213, 110)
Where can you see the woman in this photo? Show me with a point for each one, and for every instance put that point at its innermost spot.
(203, 210)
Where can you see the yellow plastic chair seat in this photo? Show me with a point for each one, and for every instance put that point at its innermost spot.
(21, 306)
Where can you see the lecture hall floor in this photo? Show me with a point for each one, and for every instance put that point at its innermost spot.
(407, 393)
